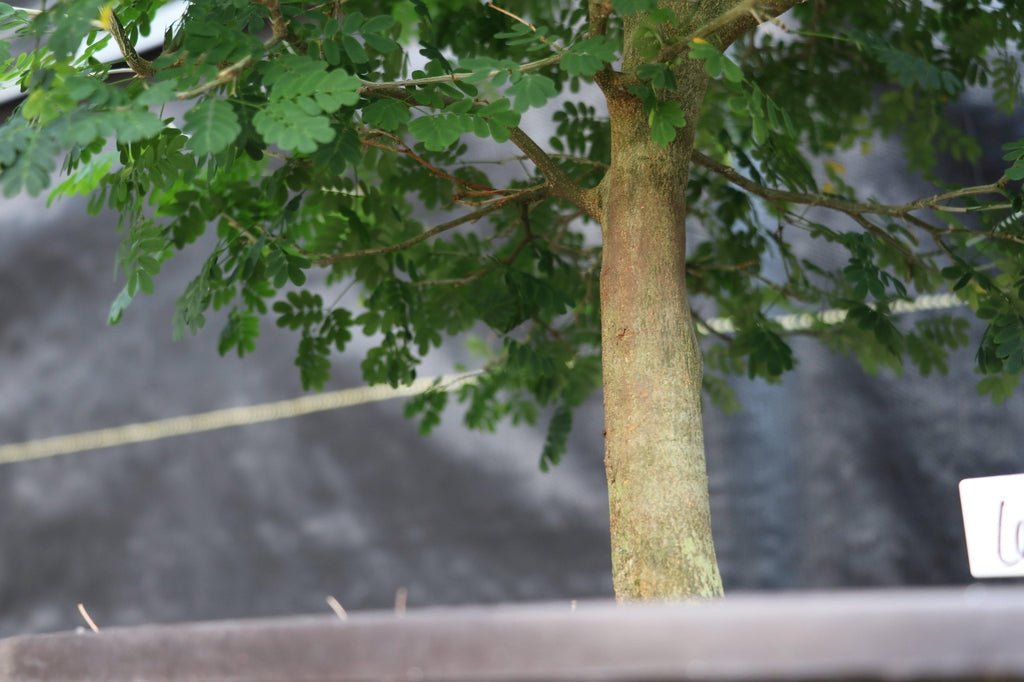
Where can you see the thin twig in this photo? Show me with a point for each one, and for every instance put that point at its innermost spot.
(369, 87)
(934, 202)
(88, 619)
(336, 606)
(472, 188)
(524, 22)
(240, 228)
(401, 599)
(524, 195)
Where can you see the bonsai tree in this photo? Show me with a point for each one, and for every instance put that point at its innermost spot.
(664, 155)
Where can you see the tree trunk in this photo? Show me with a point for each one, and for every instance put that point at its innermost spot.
(662, 546)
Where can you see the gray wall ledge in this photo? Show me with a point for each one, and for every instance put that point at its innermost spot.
(954, 634)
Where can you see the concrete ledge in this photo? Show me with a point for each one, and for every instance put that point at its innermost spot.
(974, 633)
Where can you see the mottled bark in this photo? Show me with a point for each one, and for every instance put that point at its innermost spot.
(662, 546)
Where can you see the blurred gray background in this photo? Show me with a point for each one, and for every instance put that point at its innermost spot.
(831, 479)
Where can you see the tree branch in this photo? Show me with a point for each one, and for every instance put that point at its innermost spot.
(724, 29)
(560, 184)
(369, 88)
(227, 74)
(598, 12)
(524, 195)
(753, 17)
(470, 188)
(934, 202)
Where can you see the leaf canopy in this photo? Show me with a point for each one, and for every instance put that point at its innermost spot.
(306, 137)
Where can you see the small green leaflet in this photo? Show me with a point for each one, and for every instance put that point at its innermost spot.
(999, 386)
(437, 133)
(293, 130)
(240, 333)
(877, 322)
(31, 167)
(500, 118)
(664, 118)
(85, 178)
(387, 114)
(354, 50)
(557, 439)
(1014, 152)
(768, 355)
(908, 69)
(337, 89)
(301, 77)
(136, 125)
(588, 56)
(119, 305)
(127, 126)
(213, 125)
(157, 94)
(715, 63)
(421, 9)
(532, 90)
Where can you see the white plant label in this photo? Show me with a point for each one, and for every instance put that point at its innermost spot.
(993, 509)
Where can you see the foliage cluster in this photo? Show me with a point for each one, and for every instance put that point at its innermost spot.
(317, 135)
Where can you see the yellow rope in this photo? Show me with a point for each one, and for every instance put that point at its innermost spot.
(217, 419)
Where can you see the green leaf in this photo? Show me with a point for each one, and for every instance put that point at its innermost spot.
(136, 125)
(377, 24)
(354, 50)
(85, 179)
(557, 440)
(532, 90)
(337, 89)
(768, 355)
(437, 133)
(299, 310)
(731, 70)
(212, 125)
(429, 404)
(664, 118)
(28, 165)
(313, 361)
(293, 130)
(588, 56)
(119, 305)
(999, 386)
(380, 43)
(240, 333)
(759, 129)
(387, 114)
